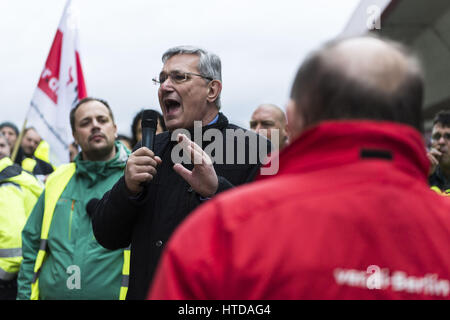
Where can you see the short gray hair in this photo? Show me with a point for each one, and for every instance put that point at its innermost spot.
(209, 63)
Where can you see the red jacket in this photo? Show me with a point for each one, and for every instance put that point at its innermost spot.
(349, 216)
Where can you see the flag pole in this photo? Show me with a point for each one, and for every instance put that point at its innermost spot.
(20, 137)
(19, 140)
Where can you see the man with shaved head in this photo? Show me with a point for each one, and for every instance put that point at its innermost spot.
(349, 214)
(268, 120)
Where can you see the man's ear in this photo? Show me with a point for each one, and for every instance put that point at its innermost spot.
(214, 89)
(295, 122)
(75, 137)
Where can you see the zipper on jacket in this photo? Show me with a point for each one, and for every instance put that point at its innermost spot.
(70, 218)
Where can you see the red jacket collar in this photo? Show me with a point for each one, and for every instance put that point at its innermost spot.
(334, 143)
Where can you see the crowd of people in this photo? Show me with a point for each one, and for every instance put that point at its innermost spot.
(357, 208)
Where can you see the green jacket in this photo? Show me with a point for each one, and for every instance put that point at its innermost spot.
(76, 266)
(19, 192)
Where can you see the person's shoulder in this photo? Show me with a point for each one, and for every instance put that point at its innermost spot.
(439, 200)
(62, 170)
(232, 126)
(249, 201)
(249, 135)
(21, 178)
(254, 194)
(12, 175)
(12, 169)
(45, 166)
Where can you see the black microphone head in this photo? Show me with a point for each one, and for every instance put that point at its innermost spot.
(149, 124)
(149, 119)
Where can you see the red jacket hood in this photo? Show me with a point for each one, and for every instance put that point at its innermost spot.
(333, 143)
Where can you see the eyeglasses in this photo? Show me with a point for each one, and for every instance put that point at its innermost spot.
(437, 136)
(177, 77)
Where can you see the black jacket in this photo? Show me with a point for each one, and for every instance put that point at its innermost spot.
(438, 179)
(41, 167)
(147, 221)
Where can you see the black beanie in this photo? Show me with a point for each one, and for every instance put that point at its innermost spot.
(10, 125)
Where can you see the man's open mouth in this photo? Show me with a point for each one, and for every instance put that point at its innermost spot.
(171, 106)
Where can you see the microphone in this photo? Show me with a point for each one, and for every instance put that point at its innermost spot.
(149, 123)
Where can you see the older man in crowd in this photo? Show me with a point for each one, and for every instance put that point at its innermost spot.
(157, 191)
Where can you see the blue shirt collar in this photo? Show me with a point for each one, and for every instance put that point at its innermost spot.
(214, 120)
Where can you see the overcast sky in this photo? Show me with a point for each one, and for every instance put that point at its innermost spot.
(261, 44)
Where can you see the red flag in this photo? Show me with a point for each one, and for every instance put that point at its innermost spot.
(60, 86)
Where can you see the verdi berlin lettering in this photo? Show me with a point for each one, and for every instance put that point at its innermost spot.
(376, 278)
(242, 147)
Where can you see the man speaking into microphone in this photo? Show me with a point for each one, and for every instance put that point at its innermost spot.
(155, 194)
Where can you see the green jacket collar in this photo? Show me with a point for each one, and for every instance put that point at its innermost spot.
(95, 171)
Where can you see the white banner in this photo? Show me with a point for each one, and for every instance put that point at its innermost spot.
(61, 85)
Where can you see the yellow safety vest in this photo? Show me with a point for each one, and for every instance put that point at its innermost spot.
(19, 192)
(55, 185)
(28, 164)
(42, 151)
(441, 192)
